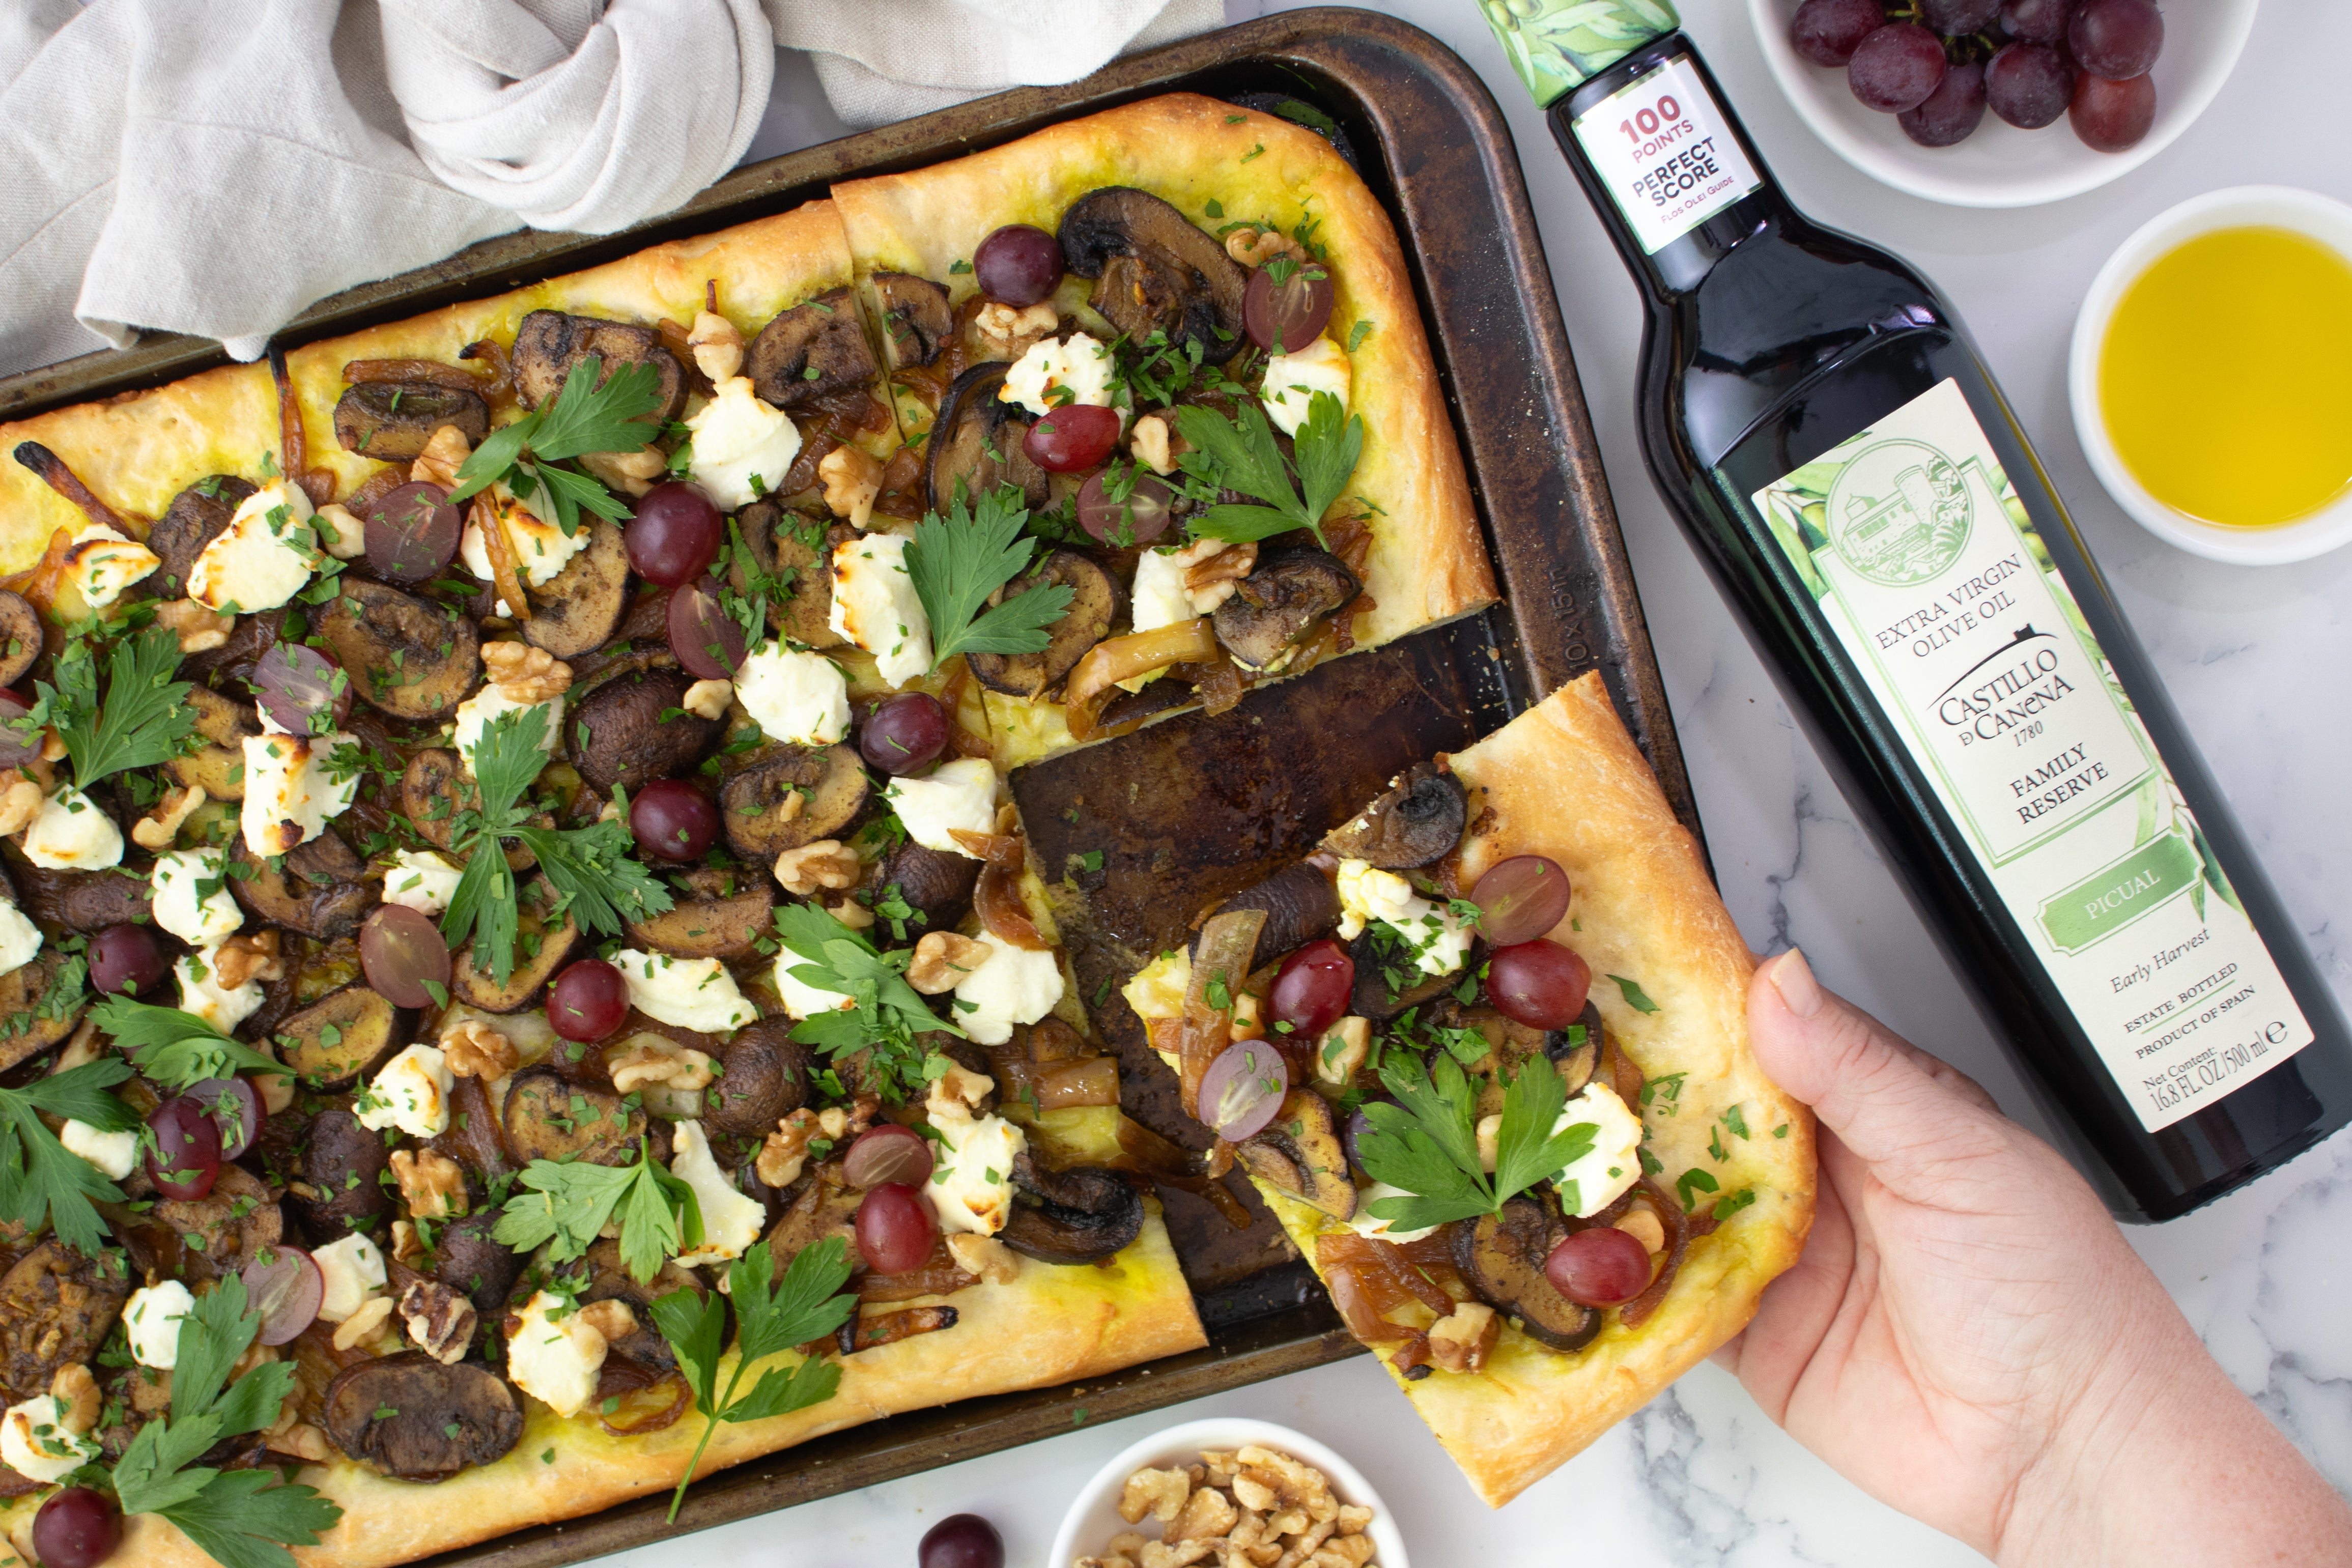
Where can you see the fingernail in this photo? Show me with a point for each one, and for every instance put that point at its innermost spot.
(1793, 979)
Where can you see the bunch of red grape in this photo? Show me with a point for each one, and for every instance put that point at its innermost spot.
(1937, 65)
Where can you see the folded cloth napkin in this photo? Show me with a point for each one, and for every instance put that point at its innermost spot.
(213, 169)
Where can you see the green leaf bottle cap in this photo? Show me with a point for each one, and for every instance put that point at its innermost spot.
(1556, 45)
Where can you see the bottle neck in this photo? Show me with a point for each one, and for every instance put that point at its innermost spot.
(1667, 165)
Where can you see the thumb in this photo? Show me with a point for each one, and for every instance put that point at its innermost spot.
(1899, 1109)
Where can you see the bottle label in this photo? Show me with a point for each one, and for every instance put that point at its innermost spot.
(1665, 149)
(1913, 540)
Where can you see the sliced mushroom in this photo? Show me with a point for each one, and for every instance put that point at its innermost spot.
(1298, 1153)
(218, 769)
(975, 442)
(916, 319)
(548, 1118)
(1300, 905)
(823, 335)
(393, 420)
(1078, 1215)
(343, 1038)
(478, 987)
(227, 1227)
(766, 1079)
(1502, 1258)
(85, 900)
(468, 1257)
(828, 1205)
(317, 889)
(196, 516)
(778, 541)
(1379, 970)
(56, 1307)
(407, 656)
(1416, 823)
(433, 789)
(830, 780)
(726, 919)
(31, 1020)
(472, 1138)
(343, 1187)
(1095, 602)
(549, 343)
(1156, 272)
(936, 886)
(416, 1419)
(609, 1279)
(20, 636)
(634, 728)
(578, 609)
(1274, 607)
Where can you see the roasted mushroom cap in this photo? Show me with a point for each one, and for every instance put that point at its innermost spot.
(218, 769)
(196, 516)
(1272, 608)
(726, 917)
(975, 444)
(467, 1256)
(766, 1079)
(1078, 1215)
(609, 1279)
(1094, 604)
(821, 335)
(1418, 821)
(86, 900)
(1157, 272)
(56, 1306)
(1298, 1153)
(407, 655)
(549, 343)
(578, 609)
(635, 728)
(475, 985)
(20, 636)
(416, 1419)
(343, 1038)
(393, 420)
(1378, 961)
(550, 1118)
(25, 996)
(935, 887)
(227, 1228)
(1300, 905)
(776, 542)
(343, 1182)
(916, 319)
(830, 780)
(316, 888)
(1502, 1257)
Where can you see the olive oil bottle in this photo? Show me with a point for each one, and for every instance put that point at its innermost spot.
(1819, 421)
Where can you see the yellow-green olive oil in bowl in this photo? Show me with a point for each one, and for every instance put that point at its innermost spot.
(2225, 377)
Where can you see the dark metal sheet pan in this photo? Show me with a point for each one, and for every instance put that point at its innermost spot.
(1432, 143)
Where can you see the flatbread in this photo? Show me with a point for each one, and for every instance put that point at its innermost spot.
(1428, 563)
(1564, 779)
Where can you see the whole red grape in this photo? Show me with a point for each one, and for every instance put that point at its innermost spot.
(2112, 116)
(1072, 439)
(2028, 85)
(1539, 984)
(1952, 111)
(126, 956)
(1598, 1266)
(672, 819)
(2117, 39)
(960, 1540)
(1897, 67)
(895, 1229)
(1018, 264)
(2037, 21)
(1827, 32)
(676, 534)
(588, 1000)
(1311, 990)
(78, 1528)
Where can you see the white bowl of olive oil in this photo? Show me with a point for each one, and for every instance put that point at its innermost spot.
(2212, 375)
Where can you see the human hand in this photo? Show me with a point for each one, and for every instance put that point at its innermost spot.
(1969, 1337)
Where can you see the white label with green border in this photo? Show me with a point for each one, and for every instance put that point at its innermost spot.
(1913, 540)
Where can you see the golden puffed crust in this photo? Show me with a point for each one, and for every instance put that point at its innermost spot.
(139, 451)
(1050, 1325)
(1564, 779)
(1428, 563)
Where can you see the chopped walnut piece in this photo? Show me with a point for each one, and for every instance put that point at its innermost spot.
(294, 1435)
(1248, 1019)
(440, 1321)
(985, 1256)
(852, 480)
(1255, 247)
(364, 1324)
(942, 959)
(672, 1066)
(631, 473)
(1149, 442)
(158, 828)
(716, 345)
(243, 958)
(1221, 1466)
(958, 1086)
(790, 807)
(472, 1048)
(1343, 1552)
(1006, 331)
(849, 912)
(709, 699)
(827, 863)
(782, 1155)
(443, 455)
(1342, 1051)
(77, 1391)
(1490, 1140)
(1160, 1554)
(1206, 1515)
(612, 1319)
(1159, 1493)
(200, 629)
(20, 804)
(1461, 1340)
(406, 1246)
(1128, 1543)
(432, 1185)
(524, 674)
(1354, 1518)
(1645, 1228)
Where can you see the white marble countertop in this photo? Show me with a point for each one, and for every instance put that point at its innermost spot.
(2255, 657)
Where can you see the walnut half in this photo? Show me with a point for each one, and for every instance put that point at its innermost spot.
(524, 674)
(440, 1321)
(432, 1185)
(472, 1048)
(942, 959)
(827, 863)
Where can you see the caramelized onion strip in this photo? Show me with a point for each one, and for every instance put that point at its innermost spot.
(1228, 942)
(1098, 674)
(997, 898)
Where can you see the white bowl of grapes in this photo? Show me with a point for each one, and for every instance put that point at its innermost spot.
(2000, 103)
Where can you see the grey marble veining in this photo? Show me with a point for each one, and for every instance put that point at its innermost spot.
(2259, 660)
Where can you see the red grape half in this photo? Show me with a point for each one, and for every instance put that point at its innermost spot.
(1598, 1266)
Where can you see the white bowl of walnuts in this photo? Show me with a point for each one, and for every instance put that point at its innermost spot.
(1195, 1493)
